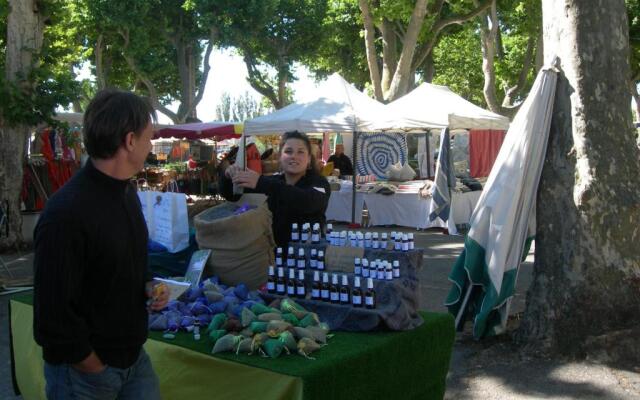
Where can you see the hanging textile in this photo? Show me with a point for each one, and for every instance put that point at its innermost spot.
(376, 152)
(484, 146)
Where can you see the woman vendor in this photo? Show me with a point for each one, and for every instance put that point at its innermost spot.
(298, 195)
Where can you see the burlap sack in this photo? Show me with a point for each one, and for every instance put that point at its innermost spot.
(242, 245)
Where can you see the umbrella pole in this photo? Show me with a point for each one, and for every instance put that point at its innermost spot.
(426, 137)
(353, 178)
(459, 320)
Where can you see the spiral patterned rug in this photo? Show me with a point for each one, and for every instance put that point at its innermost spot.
(376, 152)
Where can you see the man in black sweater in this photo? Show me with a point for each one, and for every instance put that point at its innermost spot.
(341, 161)
(91, 280)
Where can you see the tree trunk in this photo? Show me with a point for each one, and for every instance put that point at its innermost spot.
(372, 56)
(186, 71)
(389, 54)
(429, 69)
(400, 81)
(101, 75)
(587, 266)
(489, 28)
(25, 28)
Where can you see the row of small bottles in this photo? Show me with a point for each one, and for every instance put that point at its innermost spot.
(306, 234)
(377, 269)
(371, 240)
(316, 258)
(323, 291)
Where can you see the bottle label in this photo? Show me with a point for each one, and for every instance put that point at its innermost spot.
(291, 262)
(344, 297)
(405, 246)
(325, 294)
(313, 263)
(389, 275)
(397, 246)
(321, 265)
(383, 244)
(305, 237)
(301, 264)
(396, 272)
(357, 270)
(295, 237)
(280, 288)
(357, 299)
(412, 245)
(291, 290)
(334, 296)
(300, 291)
(360, 243)
(278, 261)
(376, 244)
(368, 300)
(271, 286)
(381, 274)
(315, 293)
(367, 243)
(365, 272)
(315, 238)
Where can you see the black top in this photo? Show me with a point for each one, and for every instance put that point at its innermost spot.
(306, 201)
(90, 272)
(343, 163)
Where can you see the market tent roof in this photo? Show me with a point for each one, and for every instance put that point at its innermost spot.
(337, 106)
(72, 118)
(434, 106)
(200, 130)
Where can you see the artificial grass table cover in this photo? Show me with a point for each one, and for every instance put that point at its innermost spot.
(378, 365)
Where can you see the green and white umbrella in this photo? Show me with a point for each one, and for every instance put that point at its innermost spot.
(503, 222)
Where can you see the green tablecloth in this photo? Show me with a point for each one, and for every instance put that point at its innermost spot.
(381, 365)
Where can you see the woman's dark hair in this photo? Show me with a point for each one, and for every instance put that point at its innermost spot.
(110, 116)
(313, 165)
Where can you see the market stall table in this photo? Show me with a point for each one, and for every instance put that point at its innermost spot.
(410, 209)
(339, 208)
(381, 365)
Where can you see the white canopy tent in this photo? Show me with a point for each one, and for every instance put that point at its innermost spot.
(337, 107)
(437, 107)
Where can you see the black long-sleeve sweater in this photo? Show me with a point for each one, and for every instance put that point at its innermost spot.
(306, 201)
(90, 272)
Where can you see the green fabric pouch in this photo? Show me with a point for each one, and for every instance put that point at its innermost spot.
(289, 341)
(258, 326)
(311, 319)
(273, 348)
(290, 306)
(292, 319)
(216, 334)
(258, 309)
(217, 321)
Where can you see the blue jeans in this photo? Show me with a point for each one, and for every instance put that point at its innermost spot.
(136, 382)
